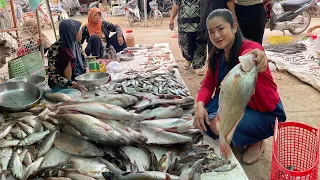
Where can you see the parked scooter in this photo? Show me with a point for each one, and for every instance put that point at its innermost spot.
(291, 15)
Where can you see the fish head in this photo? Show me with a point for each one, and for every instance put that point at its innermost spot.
(247, 62)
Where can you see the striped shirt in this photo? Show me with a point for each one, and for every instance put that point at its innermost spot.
(248, 2)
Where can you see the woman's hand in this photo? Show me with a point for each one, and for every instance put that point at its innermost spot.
(201, 117)
(87, 70)
(78, 86)
(309, 32)
(260, 59)
(171, 24)
(120, 40)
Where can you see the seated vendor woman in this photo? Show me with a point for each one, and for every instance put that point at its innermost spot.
(65, 58)
(265, 105)
(96, 33)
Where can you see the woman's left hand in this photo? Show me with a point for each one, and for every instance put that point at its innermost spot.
(120, 40)
(260, 59)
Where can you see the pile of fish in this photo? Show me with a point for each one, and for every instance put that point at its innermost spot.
(157, 83)
(293, 48)
(109, 136)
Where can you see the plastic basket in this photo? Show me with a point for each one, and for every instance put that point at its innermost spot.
(31, 64)
(295, 152)
(280, 39)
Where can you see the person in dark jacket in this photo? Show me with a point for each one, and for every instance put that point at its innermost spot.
(96, 33)
(206, 7)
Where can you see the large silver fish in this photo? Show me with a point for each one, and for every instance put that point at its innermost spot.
(147, 175)
(76, 146)
(163, 112)
(96, 130)
(101, 110)
(235, 93)
(121, 100)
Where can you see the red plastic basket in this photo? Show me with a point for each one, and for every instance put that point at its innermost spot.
(295, 152)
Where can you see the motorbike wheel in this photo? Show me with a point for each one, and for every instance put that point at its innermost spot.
(297, 31)
(131, 19)
(156, 17)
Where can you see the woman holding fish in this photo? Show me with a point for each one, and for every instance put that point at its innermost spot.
(247, 104)
(65, 57)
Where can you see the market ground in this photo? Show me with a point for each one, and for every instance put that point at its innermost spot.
(301, 101)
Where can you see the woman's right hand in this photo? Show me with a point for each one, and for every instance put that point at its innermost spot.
(78, 86)
(171, 24)
(201, 117)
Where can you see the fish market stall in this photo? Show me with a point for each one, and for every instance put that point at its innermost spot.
(143, 63)
(137, 126)
(300, 59)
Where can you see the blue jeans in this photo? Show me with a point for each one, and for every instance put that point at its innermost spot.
(254, 125)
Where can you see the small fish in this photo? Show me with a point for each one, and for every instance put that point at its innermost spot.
(8, 143)
(38, 127)
(26, 128)
(5, 156)
(49, 126)
(33, 138)
(166, 161)
(16, 166)
(89, 166)
(5, 131)
(33, 167)
(18, 134)
(47, 144)
(27, 160)
(226, 167)
(23, 154)
(189, 173)
(111, 166)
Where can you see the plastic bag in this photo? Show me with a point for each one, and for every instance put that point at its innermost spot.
(114, 67)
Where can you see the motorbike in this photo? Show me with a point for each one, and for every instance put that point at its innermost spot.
(291, 15)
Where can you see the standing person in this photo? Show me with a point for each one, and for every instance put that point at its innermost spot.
(65, 58)
(265, 105)
(251, 16)
(206, 7)
(96, 33)
(192, 41)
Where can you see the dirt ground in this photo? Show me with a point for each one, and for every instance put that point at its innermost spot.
(301, 101)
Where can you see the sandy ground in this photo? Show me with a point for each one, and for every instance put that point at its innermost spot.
(301, 101)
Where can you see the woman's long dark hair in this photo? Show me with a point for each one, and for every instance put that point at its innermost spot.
(215, 54)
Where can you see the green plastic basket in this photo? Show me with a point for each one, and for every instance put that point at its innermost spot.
(31, 64)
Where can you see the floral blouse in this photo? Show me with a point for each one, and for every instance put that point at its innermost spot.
(54, 76)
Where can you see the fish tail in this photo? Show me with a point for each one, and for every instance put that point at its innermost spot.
(225, 148)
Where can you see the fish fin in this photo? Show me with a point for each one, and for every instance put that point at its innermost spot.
(109, 175)
(173, 129)
(158, 129)
(167, 177)
(165, 105)
(236, 78)
(151, 118)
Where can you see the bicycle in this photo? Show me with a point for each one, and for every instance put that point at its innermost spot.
(155, 15)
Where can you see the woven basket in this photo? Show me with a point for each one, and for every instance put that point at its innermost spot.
(30, 64)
